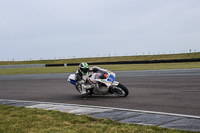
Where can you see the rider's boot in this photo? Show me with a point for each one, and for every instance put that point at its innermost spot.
(83, 91)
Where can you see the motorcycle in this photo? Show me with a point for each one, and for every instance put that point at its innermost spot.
(104, 84)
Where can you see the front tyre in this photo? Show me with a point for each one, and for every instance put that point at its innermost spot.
(120, 90)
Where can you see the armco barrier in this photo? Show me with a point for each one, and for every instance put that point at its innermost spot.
(129, 62)
(53, 65)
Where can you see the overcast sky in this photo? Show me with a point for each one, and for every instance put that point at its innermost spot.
(82, 28)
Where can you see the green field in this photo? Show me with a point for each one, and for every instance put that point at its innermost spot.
(108, 59)
(121, 67)
(24, 120)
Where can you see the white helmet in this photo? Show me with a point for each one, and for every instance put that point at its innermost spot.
(83, 68)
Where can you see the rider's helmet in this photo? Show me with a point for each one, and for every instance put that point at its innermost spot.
(83, 68)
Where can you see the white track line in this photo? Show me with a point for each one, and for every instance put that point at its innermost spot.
(101, 107)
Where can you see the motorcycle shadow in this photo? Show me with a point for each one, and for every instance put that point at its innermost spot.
(93, 97)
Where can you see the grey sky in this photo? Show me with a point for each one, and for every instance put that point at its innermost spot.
(82, 28)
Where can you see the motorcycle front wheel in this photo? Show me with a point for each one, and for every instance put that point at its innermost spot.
(120, 90)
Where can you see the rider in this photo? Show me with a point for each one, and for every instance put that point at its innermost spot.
(82, 75)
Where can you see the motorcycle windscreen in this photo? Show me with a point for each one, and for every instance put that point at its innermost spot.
(111, 78)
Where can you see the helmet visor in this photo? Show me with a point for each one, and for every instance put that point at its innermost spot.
(84, 70)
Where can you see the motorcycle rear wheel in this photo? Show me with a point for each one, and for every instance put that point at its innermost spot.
(120, 90)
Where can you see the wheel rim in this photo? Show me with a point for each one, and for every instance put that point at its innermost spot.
(119, 91)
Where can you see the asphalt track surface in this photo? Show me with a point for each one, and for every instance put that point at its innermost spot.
(171, 91)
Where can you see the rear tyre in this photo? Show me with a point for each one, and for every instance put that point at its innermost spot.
(120, 90)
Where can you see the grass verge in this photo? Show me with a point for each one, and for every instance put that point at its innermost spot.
(108, 59)
(121, 67)
(21, 119)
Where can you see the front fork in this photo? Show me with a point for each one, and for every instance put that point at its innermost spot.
(110, 90)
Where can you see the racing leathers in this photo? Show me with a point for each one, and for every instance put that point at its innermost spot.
(82, 80)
